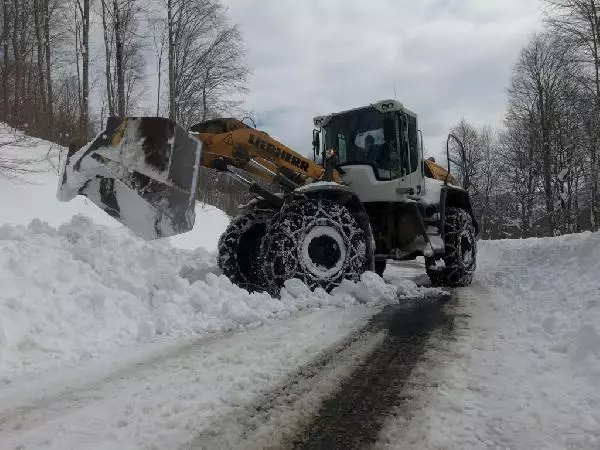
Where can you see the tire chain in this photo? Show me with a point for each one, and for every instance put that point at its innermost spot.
(455, 274)
(282, 246)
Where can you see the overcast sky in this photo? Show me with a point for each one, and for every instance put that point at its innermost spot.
(446, 59)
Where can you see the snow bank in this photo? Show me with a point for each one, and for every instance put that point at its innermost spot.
(555, 284)
(522, 369)
(82, 290)
(33, 195)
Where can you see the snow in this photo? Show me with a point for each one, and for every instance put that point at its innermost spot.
(523, 369)
(165, 396)
(433, 191)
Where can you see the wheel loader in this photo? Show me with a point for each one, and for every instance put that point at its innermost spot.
(366, 196)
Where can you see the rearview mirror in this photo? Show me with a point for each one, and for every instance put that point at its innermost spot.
(316, 143)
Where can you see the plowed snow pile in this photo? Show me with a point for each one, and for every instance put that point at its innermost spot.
(525, 370)
(82, 290)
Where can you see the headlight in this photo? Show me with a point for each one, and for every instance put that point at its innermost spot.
(330, 153)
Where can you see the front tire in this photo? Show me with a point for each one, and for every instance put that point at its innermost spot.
(460, 257)
(239, 249)
(315, 240)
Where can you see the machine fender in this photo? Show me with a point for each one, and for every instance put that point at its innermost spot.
(451, 196)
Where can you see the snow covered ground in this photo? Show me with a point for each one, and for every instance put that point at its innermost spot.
(524, 370)
(165, 396)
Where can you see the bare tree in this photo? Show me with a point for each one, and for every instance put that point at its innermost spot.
(108, 45)
(159, 40)
(535, 96)
(119, 43)
(84, 11)
(5, 69)
(578, 21)
(39, 34)
(124, 62)
(205, 59)
(48, 53)
(476, 164)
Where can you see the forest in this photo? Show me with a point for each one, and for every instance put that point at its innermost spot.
(539, 173)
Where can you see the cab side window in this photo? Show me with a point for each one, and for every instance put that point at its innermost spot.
(397, 150)
(413, 142)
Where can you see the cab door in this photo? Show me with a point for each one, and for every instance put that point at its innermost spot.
(405, 157)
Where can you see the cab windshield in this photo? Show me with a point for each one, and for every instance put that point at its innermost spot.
(358, 137)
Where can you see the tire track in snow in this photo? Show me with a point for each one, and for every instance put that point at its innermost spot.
(161, 394)
(278, 413)
(341, 398)
(353, 418)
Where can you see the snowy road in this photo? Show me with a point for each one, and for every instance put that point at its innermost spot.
(354, 416)
(170, 394)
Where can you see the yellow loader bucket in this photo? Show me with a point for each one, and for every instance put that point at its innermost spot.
(143, 171)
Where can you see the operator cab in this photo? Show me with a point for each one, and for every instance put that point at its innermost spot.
(376, 145)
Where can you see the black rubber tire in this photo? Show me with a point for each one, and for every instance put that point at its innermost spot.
(380, 265)
(239, 249)
(460, 257)
(308, 232)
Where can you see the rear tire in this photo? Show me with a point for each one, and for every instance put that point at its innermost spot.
(315, 240)
(460, 252)
(239, 249)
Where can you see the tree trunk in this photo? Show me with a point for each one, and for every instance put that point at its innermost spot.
(119, 61)
(77, 51)
(543, 111)
(86, 70)
(172, 77)
(37, 14)
(5, 72)
(204, 106)
(23, 38)
(158, 89)
(48, 67)
(107, 46)
(17, 62)
(595, 167)
(160, 64)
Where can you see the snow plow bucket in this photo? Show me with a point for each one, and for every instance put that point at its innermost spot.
(143, 171)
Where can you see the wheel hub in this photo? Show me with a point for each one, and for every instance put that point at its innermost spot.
(323, 251)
